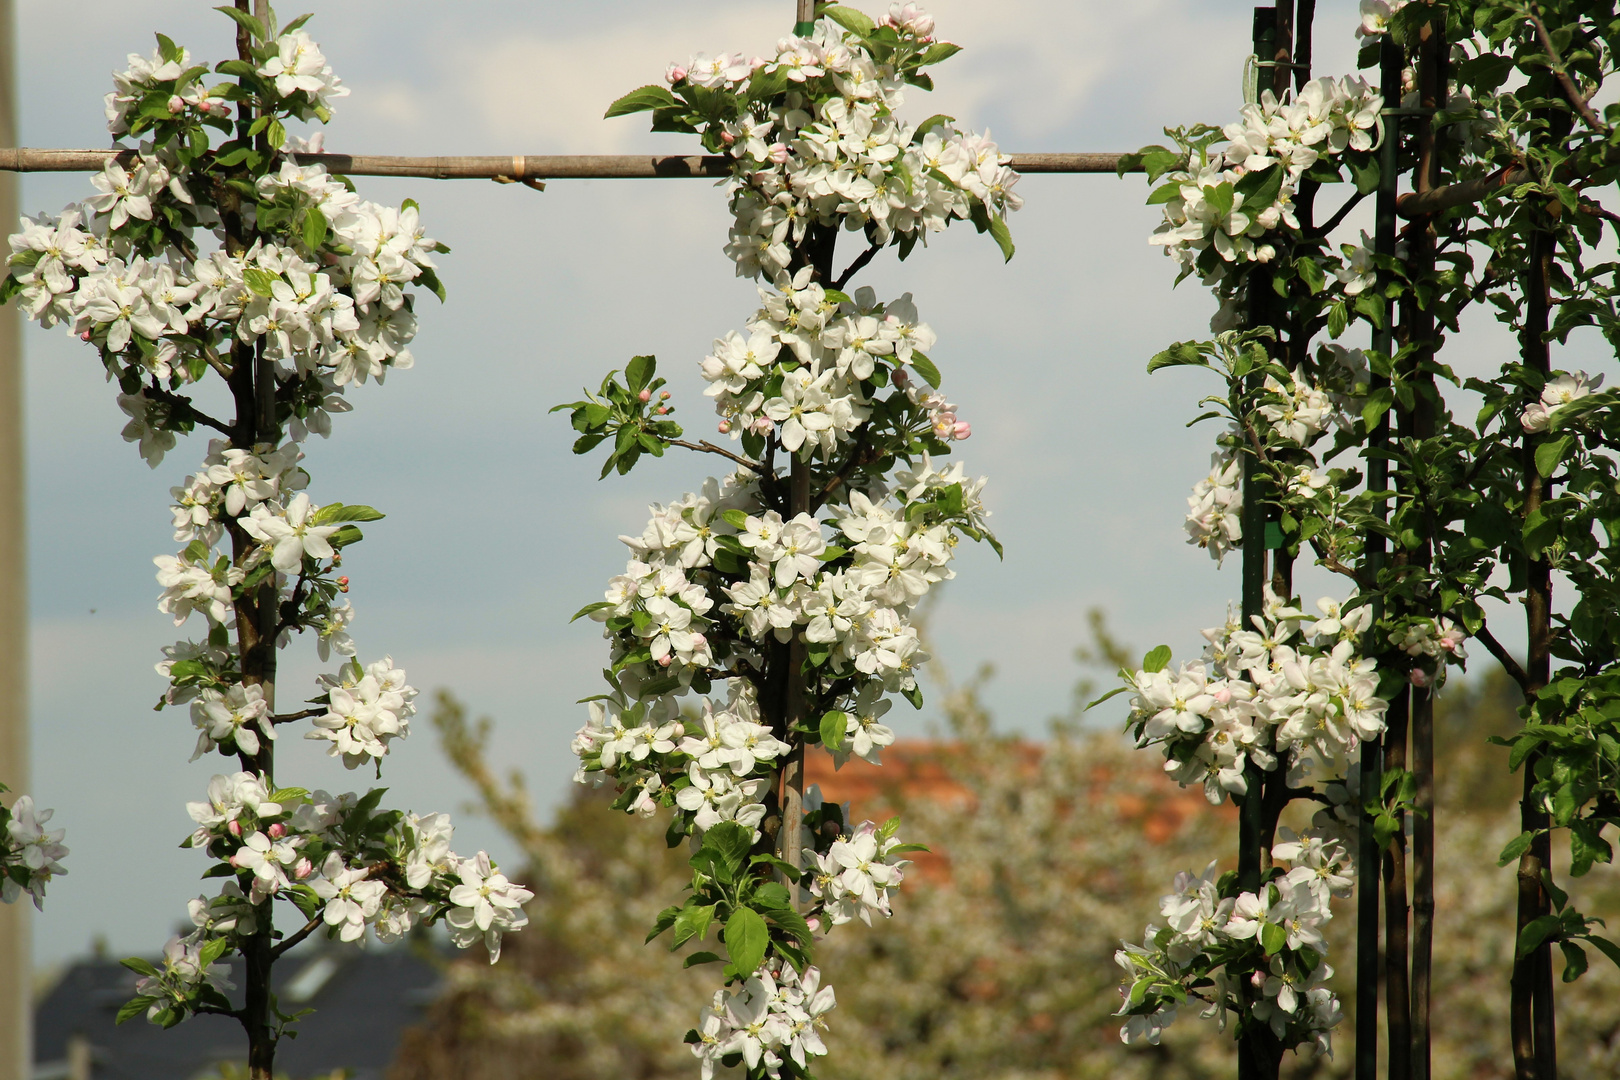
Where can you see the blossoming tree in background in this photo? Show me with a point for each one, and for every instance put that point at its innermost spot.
(769, 612)
(1440, 516)
(199, 260)
(29, 855)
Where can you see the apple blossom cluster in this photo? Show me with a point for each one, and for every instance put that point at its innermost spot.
(1563, 389)
(1229, 199)
(284, 282)
(1375, 17)
(1290, 689)
(774, 1015)
(1258, 955)
(30, 855)
(795, 578)
(815, 139)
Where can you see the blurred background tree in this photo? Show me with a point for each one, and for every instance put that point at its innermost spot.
(999, 961)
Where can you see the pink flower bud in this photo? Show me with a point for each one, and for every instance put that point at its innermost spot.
(664, 662)
(235, 862)
(234, 827)
(645, 395)
(901, 377)
(699, 640)
(814, 923)
(661, 410)
(175, 104)
(674, 74)
(763, 425)
(962, 430)
(779, 154)
(727, 137)
(663, 395)
(1222, 694)
(1419, 678)
(1258, 980)
(276, 831)
(725, 427)
(302, 869)
(85, 336)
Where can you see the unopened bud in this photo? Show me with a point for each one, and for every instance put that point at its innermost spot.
(302, 869)
(962, 430)
(662, 409)
(663, 395)
(234, 827)
(814, 923)
(1419, 678)
(727, 137)
(1258, 980)
(698, 640)
(343, 583)
(725, 427)
(85, 336)
(176, 104)
(779, 154)
(235, 861)
(674, 74)
(276, 831)
(901, 377)
(645, 395)
(663, 661)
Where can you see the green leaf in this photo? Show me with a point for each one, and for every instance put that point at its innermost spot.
(639, 372)
(666, 919)
(1550, 453)
(1003, 237)
(1378, 403)
(925, 367)
(1181, 354)
(346, 536)
(1536, 932)
(1338, 319)
(1604, 946)
(727, 844)
(588, 608)
(168, 49)
(701, 958)
(314, 229)
(937, 120)
(833, 726)
(1515, 848)
(856, 22)
(1365, 171)
(1259, 189)
(1157, 659)
(1112, 693)
(260, 281)
(692, 922)
(139, 966)
(215, 949)
(276, 135)
(333, 513)
(641, 99)
(1273, 938)
(248, 22)
(941, 50)
(1574, 960)
(133, 1008)
(746, 940)
(1310, 273)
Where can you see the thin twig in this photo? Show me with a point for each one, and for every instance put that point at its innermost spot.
(1571, 91)
(188, 410)
(855, 267)
(214, 361)
(307, 929)
(1503, 657)
(1338, 217)
(287, 718)
(707, 447)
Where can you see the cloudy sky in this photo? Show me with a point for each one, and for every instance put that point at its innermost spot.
(495, 532)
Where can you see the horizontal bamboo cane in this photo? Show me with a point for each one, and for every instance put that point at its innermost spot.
(515, 167)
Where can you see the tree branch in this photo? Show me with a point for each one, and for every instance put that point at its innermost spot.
(186, 409)
(1571, 91)
(304, 932)
(1503, 657)
(1338, 216)
(707, 447)
(855, 267)
(288, 718)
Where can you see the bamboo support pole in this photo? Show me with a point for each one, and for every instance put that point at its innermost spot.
(16, 1028)
(1372, 765)
(518, 167)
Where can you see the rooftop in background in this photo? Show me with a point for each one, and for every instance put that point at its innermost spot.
(363, 999)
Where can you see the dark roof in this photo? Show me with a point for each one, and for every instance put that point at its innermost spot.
(363, 1001)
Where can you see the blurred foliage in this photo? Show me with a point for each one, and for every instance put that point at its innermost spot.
(999, 964)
